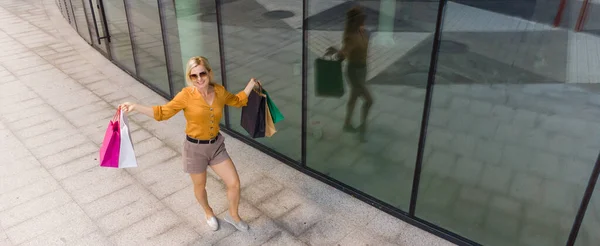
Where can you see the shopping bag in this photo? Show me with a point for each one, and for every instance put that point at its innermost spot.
(329, 81)
(253, 114)
(275, 113)
(126, 153)
(269, 124)
(109, 151)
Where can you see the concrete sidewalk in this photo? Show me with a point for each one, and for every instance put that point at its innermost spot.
(57, 96)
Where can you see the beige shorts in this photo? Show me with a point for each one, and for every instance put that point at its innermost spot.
(198, 156)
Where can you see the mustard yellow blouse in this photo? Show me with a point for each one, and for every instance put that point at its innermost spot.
(202, 120)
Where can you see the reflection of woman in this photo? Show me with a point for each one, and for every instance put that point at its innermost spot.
(202, 103)
(354, 50)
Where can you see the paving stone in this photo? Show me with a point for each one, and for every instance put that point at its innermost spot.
(517, 157)
(32, 112)
(469, 213)
(101, 188)
(123, 220)
(261, 189)
(506, 205)
(546, 165)
(463, 144)
(94, 239)
(526, 187)
(78, 150)
(44, 223)
(502, 224)
(441, 163)
(284, 238)
(468, 171)
(301, 218)
(8, 184)
(18, 166)
(27, 193)
(69, 232)
(385, 226)
(48, 138)
(58, 146)
(488, 151)
(32, 208)
(496, 178)
(147, 229)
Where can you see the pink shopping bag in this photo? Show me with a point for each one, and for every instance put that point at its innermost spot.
(109, 152)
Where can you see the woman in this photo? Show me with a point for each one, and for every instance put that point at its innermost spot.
(354, 49)
(202, 102)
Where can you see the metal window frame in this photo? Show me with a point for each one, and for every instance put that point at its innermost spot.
(222, 56)
(164, 36)
(304, 123)
(133, 50)
(585, 201)
(73, 13)
(437, 38)
(87, 22)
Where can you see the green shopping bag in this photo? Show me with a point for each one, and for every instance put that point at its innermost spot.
(275, 113)
(329, 81)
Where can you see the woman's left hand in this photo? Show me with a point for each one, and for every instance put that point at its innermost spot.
(254, 82)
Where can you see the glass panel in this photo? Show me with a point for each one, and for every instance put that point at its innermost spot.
(588, 233)
(69, 13)
(148, 43)
(196, 22)
(95, 24)
(263, 39)
(513, 131)
(120, 41)
(371, 148)
(80, 18)
(173, 47)
(63, 11)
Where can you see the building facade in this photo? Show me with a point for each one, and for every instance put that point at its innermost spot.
(482, 117)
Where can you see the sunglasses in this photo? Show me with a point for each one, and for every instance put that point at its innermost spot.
(200, 75)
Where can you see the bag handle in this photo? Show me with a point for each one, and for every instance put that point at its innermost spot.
(117, 115)
(260, 89)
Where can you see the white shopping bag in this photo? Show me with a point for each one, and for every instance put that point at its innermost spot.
(126, 153)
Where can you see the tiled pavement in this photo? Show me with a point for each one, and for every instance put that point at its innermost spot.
(57, 95)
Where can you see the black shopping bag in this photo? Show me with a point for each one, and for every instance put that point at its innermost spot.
(253, 114)
(329, 81)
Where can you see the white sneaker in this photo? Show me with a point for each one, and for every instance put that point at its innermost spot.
(213, 223)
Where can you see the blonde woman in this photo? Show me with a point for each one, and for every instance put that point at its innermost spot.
(202, 102)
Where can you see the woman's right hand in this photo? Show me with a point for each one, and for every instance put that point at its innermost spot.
(127, 107)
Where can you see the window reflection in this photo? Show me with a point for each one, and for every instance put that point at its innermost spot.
(265, 41)
(511, 139)
(385, 67)
(197, 30)
(148, 43)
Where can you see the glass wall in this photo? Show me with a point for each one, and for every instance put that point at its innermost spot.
(510, 134)
(149, 51)
(263, 39)
(198, 36)
(367, 136)
(512, 137)
(172, 41)
(120, 39)
(80, 20)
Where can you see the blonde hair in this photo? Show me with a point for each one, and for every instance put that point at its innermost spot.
(194, 62)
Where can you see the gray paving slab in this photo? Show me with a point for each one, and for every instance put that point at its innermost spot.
(52, 190)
